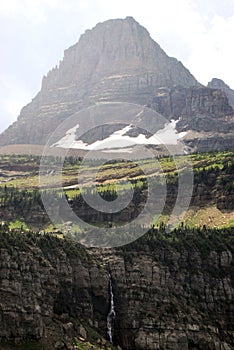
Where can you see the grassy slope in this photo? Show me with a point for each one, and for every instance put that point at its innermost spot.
(22, 172)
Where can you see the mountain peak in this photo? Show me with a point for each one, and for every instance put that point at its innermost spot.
(117, 60)
(129, 20)
(113, 47)
(217, 83)
(118, 47)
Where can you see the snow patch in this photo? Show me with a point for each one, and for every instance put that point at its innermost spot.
(120, 142)
(68, 140)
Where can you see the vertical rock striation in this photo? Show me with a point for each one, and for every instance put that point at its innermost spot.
(168, 293)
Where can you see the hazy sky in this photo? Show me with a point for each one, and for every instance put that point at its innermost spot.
(34, 34)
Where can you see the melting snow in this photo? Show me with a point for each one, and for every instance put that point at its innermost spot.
(119, 139)
(68, 140)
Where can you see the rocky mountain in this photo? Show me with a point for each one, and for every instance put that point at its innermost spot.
(168, 292)
(219, 84)
(118, 61)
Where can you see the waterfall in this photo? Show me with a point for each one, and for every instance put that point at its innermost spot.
(111, 314)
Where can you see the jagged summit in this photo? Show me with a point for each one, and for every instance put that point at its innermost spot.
(217, 83)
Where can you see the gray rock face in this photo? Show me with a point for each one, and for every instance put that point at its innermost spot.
(190, 103)
(219, 84)
(35, 285)
(204, 113)
(164, 298)
(115, 61)
(155, 305)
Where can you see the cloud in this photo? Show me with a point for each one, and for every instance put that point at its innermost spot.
(13, 96)
(213, 54)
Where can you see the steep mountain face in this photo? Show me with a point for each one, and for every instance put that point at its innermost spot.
(203, 113)
(219, 84)
(187, 104)
(115, 61)
(172, 293)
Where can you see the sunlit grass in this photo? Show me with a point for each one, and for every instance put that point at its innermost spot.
(208, 216)
(18, 224)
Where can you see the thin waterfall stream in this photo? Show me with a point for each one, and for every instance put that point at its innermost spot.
(111, 314)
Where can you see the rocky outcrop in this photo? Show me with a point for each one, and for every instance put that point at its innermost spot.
(188, 103)
(204, 113)
(219, 84)
(169, 291)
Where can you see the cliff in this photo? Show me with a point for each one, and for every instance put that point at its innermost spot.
(204, 113)
(170, 291)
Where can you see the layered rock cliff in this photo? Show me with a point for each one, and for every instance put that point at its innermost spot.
(44, 285)
(219, 84)
(204, 113)
(170, 291)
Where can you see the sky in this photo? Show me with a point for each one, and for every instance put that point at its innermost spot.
(35, 33)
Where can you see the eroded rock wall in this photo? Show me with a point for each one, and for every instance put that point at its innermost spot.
(165, 296)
